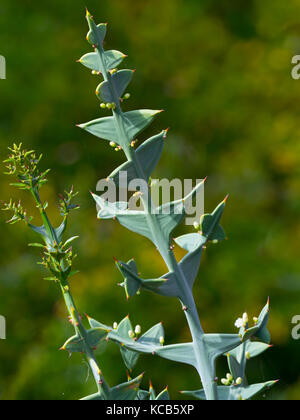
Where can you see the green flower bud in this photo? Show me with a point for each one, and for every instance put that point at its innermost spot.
(131, 334)
(162, 340)
(127, 96)
(248, 355)
(196, 225)
(138, 330)
(103, 105)
(115, 325)
(239, 381)
(225, 382)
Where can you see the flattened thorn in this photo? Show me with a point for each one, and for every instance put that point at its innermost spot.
(205, 179)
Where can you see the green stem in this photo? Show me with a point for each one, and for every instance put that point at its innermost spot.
(70, 304)
(187, 300)
(44, 216)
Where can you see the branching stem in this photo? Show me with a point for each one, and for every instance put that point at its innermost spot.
(186, 296)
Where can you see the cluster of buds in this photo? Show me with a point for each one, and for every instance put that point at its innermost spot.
(243, 322)
(65, 205)
(58, 262)
(134, 334)
(109, 105)
(19, 213)
(228, 381)
(115, 146)
(24, 165)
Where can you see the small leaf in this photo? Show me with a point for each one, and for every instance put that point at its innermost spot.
(235, 367)
(134, 122)
(130, 358)
(120, 81)
(43, 233)
(148, 154)
(191, 241)
(112, 59)
(96, 33)
(70, 240)
(210, 224)
(153, 336)
(254, 348)
(127, 391)
(260, 330)
(75, 344)
(37, 245)
(163, 396)
(182, 353)
(94, 336)
(95, 324)
(133, 283)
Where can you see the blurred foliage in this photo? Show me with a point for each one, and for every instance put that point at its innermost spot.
(222, 72)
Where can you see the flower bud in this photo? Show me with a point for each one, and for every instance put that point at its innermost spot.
(196, 225)
(229, 377)
(115, 325)
(255, 320)
(112, 144)
(103, 105)
(138, 329)
(225, 382)
(162, 340)
(127, 96)
(245, 318)
(239, 381)
(131, 334)
(248, 355)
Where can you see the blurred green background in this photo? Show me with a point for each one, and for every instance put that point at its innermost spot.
(222, 72)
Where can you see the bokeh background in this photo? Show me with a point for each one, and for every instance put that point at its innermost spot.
(222, 72)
